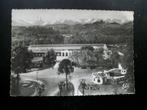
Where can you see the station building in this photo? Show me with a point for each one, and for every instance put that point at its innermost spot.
(62, 50)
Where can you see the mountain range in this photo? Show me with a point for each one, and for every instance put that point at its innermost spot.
(96, 32)
(39, 22)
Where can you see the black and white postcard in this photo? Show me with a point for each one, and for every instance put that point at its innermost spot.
(71, 52)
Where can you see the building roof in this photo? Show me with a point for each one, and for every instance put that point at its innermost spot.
(64, 45)
(45, 47)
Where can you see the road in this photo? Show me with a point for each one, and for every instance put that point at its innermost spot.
(51, 80)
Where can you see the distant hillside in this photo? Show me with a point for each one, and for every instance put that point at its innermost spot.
(36, 35)
(97, 32)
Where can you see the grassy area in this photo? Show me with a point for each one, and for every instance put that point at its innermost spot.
(25, 91)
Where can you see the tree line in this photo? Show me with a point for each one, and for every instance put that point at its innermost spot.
(90, 57)
(97, 32)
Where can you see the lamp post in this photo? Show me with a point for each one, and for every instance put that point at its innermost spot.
(83, 86)
(60, 87)
(37, 75)
(39, 88)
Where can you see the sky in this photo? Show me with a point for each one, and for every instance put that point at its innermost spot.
(51, 16)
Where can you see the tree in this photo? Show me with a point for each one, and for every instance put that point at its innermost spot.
(66, 67)
(85, 57)
(129, 65)
(50, 58)
(44, 35)
(90, 48)
(20, 60)
(88, 56)
(99, 56)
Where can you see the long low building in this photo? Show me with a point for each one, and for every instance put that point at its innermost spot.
(62, 50)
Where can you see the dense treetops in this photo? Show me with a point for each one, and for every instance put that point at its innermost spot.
(97, 32)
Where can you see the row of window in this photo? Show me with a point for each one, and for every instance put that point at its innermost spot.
(63, 54)
(57, 53)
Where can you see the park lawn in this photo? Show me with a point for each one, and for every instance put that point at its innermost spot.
(25, 91)
(49, 77)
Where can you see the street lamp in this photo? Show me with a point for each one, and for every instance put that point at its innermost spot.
(83, 86)
(37, 75)
(38, 87)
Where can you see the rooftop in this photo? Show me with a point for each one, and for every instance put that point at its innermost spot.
(64, 45)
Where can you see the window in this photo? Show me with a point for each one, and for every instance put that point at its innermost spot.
(62, 54)
(66, 54)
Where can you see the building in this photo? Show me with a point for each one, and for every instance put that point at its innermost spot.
(62, 50)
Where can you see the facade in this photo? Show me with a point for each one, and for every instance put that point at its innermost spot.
(63, 51)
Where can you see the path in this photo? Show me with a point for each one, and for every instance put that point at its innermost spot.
(54, 93)
(76, 83)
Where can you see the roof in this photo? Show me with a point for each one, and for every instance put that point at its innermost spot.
(45, 47)
(64, 45)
